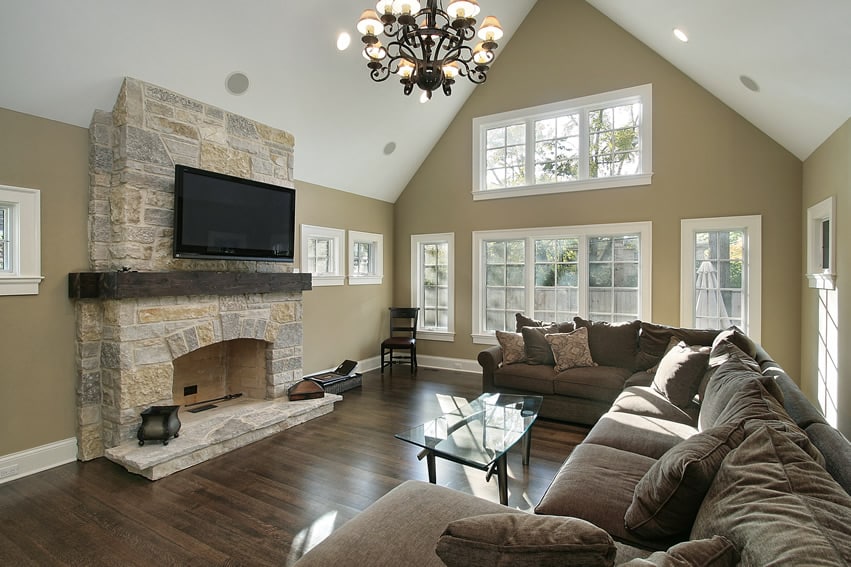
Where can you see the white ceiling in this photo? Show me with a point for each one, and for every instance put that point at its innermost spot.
(63, 59)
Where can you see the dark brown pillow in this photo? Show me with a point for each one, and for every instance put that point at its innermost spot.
(538, 350)
(653, 340)
(612, 344)
(777, 505)
(680, 372)
(523, 540)
(717, 551)
(523, 321)
(738, 337)
(668, 496)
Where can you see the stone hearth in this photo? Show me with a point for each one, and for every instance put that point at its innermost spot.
(141, 309)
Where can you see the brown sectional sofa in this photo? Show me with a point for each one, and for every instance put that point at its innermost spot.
(742, 470)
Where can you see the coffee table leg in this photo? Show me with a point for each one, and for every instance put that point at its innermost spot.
(432, 467)
(502, 478)
(527, 446)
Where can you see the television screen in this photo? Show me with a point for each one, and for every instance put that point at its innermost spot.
(221, 216)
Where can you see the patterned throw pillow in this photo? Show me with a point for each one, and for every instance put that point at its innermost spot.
(571, 349)
(513, 348)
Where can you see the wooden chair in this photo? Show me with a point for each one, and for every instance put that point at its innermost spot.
(403, 336)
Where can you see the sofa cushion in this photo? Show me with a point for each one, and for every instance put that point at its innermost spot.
(535, 379)
(834, 446)
(671, 344)
(680, 372)
(667, 498)
(601, 383)
(612, 344)
(596, 483)
(777, 505)
(570, 350)
(642, 435)
(516, 540)
(513, 347)
(717, 551)
(538, 350)
(735, 370)
(400, 528)
(653, 338)
(795, 402)
(524, 321)
(738, 337)
(645, 400)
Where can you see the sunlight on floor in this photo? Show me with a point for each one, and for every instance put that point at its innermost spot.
(310, 537)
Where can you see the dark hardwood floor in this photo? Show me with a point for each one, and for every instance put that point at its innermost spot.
(264, 504)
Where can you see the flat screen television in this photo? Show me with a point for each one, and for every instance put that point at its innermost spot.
(219, 216)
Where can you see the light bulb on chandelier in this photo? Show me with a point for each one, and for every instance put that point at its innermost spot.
(428, 47)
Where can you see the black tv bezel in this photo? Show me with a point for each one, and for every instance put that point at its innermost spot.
(184, 251)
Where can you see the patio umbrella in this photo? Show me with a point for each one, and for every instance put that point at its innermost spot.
(709, 309)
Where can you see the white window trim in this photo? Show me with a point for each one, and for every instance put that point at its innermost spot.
(25, 208)
(338, 236)
(417, 240)
(817, 276)
(643, 228)
(644, 93)
(377, 240)
(752, 269)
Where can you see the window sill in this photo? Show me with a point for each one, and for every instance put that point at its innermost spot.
(822, 281)
(365, 280)
(552, 188)
(445, 336)
(19, 285)
(320, 281)
(488, 339)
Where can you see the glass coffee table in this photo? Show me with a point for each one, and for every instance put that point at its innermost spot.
(479, 435)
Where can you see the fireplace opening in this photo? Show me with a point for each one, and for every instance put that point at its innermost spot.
(220, 371)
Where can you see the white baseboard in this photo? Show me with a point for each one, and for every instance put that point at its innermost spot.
(37, 459)
(427, 361)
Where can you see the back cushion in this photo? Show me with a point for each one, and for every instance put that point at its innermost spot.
(653, 339)
(612, 344)
(777, 506)
(732, 373)
(738, 337)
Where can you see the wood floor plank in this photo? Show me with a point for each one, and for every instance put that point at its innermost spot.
(264, 504)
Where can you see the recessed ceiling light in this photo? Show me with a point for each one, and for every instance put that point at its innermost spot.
(680, 35)
(343, 41)
(749, 83)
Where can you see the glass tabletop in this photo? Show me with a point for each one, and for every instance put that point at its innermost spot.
(480, 432)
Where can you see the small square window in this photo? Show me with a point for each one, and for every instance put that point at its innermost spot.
(20, 241)
(322, 254)
(366, 258)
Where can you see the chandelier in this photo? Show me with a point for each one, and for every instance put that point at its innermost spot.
(428, 47)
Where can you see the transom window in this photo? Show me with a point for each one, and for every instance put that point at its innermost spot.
(589, 143)
(599, 272)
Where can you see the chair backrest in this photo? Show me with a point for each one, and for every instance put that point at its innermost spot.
(403, 320)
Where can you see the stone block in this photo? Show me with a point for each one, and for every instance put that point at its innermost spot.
(159, 109)
(233, 303)
(177, 345)
(151, 354)
(115, 355)
(145, 147)
(213, 134)
(214, 112)
(284, 312)
(125, 206)
(90, 444)
(169, 97)
(146, 386)
(274, 135)
(100, 158)
(168, 126)
(181, 149)
(89, 388)
(159, 217)
(290, 334)
(89, 414)
(240, 126)
(231, 326)
(177, 313)
(219, 158)
(190, 337)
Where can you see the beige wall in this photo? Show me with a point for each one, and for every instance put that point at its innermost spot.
(346, 321)
(827, 172)
(37, 405)
(707, 160)
(37, 375)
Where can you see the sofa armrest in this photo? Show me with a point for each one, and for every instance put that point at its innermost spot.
(490, 359)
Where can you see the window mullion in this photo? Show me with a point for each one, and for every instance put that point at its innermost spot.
(582, 276)
(584, 143)
(530, 152)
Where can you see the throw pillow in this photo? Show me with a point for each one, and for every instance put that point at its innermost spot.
(523, 321)
(537, 348)
(668, 496)
(524, 539)
(738, 337)
(612, 344)
(680, 372)
(653, 340)
(570, 349)
(714, 552)
(513, 347)
(671, 344)
(777, 505)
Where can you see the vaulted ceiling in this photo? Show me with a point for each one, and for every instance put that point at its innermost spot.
(62, 60)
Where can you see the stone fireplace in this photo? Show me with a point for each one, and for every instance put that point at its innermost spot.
(155, 330)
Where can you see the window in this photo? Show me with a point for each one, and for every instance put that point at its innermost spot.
(433, 284)
(366, 258)
(322, 254)
(821, 253)
(600, 272)
(581, 144)
(722, 273)
(20, 241)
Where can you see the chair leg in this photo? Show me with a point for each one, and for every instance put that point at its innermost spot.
(414, 360)
(383, 350)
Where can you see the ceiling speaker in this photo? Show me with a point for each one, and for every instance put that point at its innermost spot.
(236, 83)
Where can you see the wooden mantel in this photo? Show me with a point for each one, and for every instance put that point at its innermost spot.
(123, 285)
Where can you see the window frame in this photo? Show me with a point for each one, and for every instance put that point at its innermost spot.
(417, 242)
(24, 228)
(645, 277)
(818, 276)
(528, 116)
(751, 270)
(337, 237)
(376, 244)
